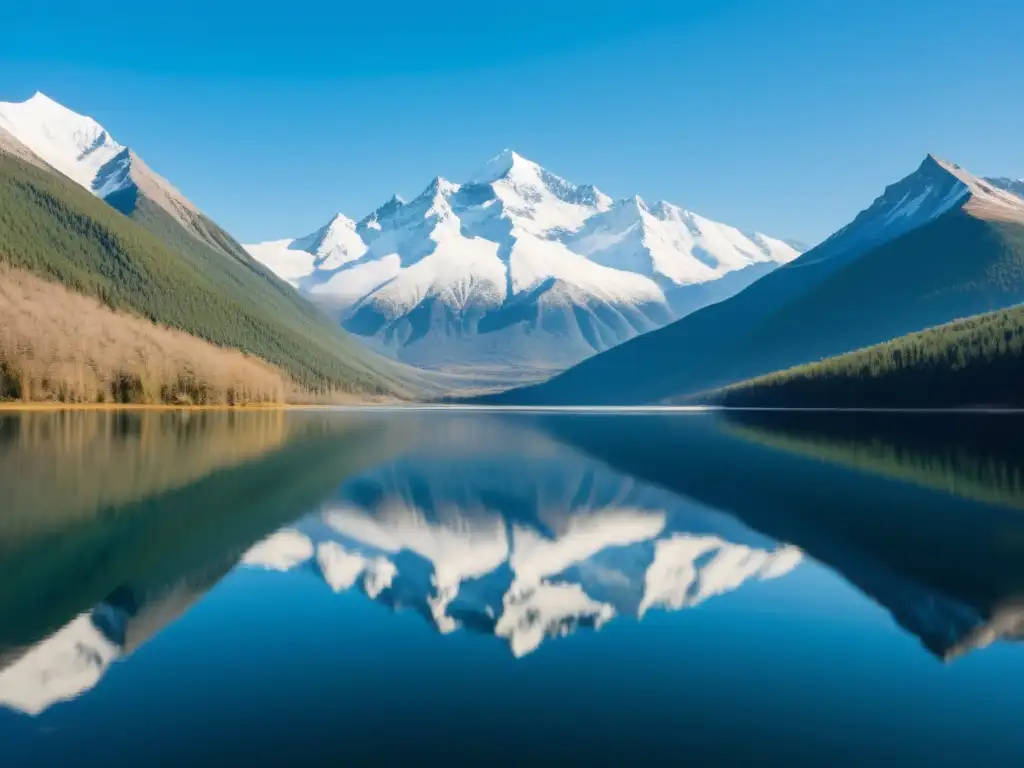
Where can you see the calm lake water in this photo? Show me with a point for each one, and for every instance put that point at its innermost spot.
(396, 588)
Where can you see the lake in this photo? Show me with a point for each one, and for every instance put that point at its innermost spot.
(389, 587)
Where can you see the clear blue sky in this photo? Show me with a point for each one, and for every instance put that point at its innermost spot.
(786, 116)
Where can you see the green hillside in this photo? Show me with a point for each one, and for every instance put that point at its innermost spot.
(186, 229)
(956, 267)
(976, 361)
(52, 227)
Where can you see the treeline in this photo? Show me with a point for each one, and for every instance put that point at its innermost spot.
(51, 227)
(978, 361)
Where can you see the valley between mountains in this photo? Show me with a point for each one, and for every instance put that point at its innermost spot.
(512, 287)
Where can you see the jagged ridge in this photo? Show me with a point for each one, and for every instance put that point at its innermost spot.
(516, 265)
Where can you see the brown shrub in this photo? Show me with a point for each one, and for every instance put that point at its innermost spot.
(56, 345)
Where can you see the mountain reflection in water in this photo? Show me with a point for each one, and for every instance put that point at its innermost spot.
(524, 527)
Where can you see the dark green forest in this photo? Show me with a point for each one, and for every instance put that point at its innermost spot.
(57, 230)
(977, 361)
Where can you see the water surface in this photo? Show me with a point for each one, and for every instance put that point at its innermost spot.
(386, 587)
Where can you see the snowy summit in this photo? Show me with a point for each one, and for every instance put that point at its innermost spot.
(74, 144)
(517, 265)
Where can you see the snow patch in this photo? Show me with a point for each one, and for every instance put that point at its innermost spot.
(687, 570)
(547, 610)
(536, 557)
(66, 664)
(341, 569)
(280, 552)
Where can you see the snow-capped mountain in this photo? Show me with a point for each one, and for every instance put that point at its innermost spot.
(85, 152)
(73, 144)
(937, 186)
(517, 264)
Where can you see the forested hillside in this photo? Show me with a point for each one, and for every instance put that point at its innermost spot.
(55, 229)
(972, 362)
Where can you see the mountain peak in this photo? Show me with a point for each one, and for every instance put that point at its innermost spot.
(392, 206)
(933, 162)
(501, 166)
(634, 204)
(979, 197)
(341, 220)
(74, 144)
(41, 101)
(41, 98)
(39, 107)
(439, 184)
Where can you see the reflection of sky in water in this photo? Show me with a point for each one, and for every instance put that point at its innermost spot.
(417, 613)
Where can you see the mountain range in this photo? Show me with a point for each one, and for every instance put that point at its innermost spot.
(938, 245)
(517, 266)
(513, 275)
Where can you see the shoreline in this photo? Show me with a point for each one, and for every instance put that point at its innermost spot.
(14, 406)
(17, 406)
(8, 406)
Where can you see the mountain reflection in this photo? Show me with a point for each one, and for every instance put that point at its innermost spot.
(915, 510)
(83, 584)
(526, 540)
(523, 527)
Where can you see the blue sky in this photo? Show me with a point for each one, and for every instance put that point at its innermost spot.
(786, 116)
